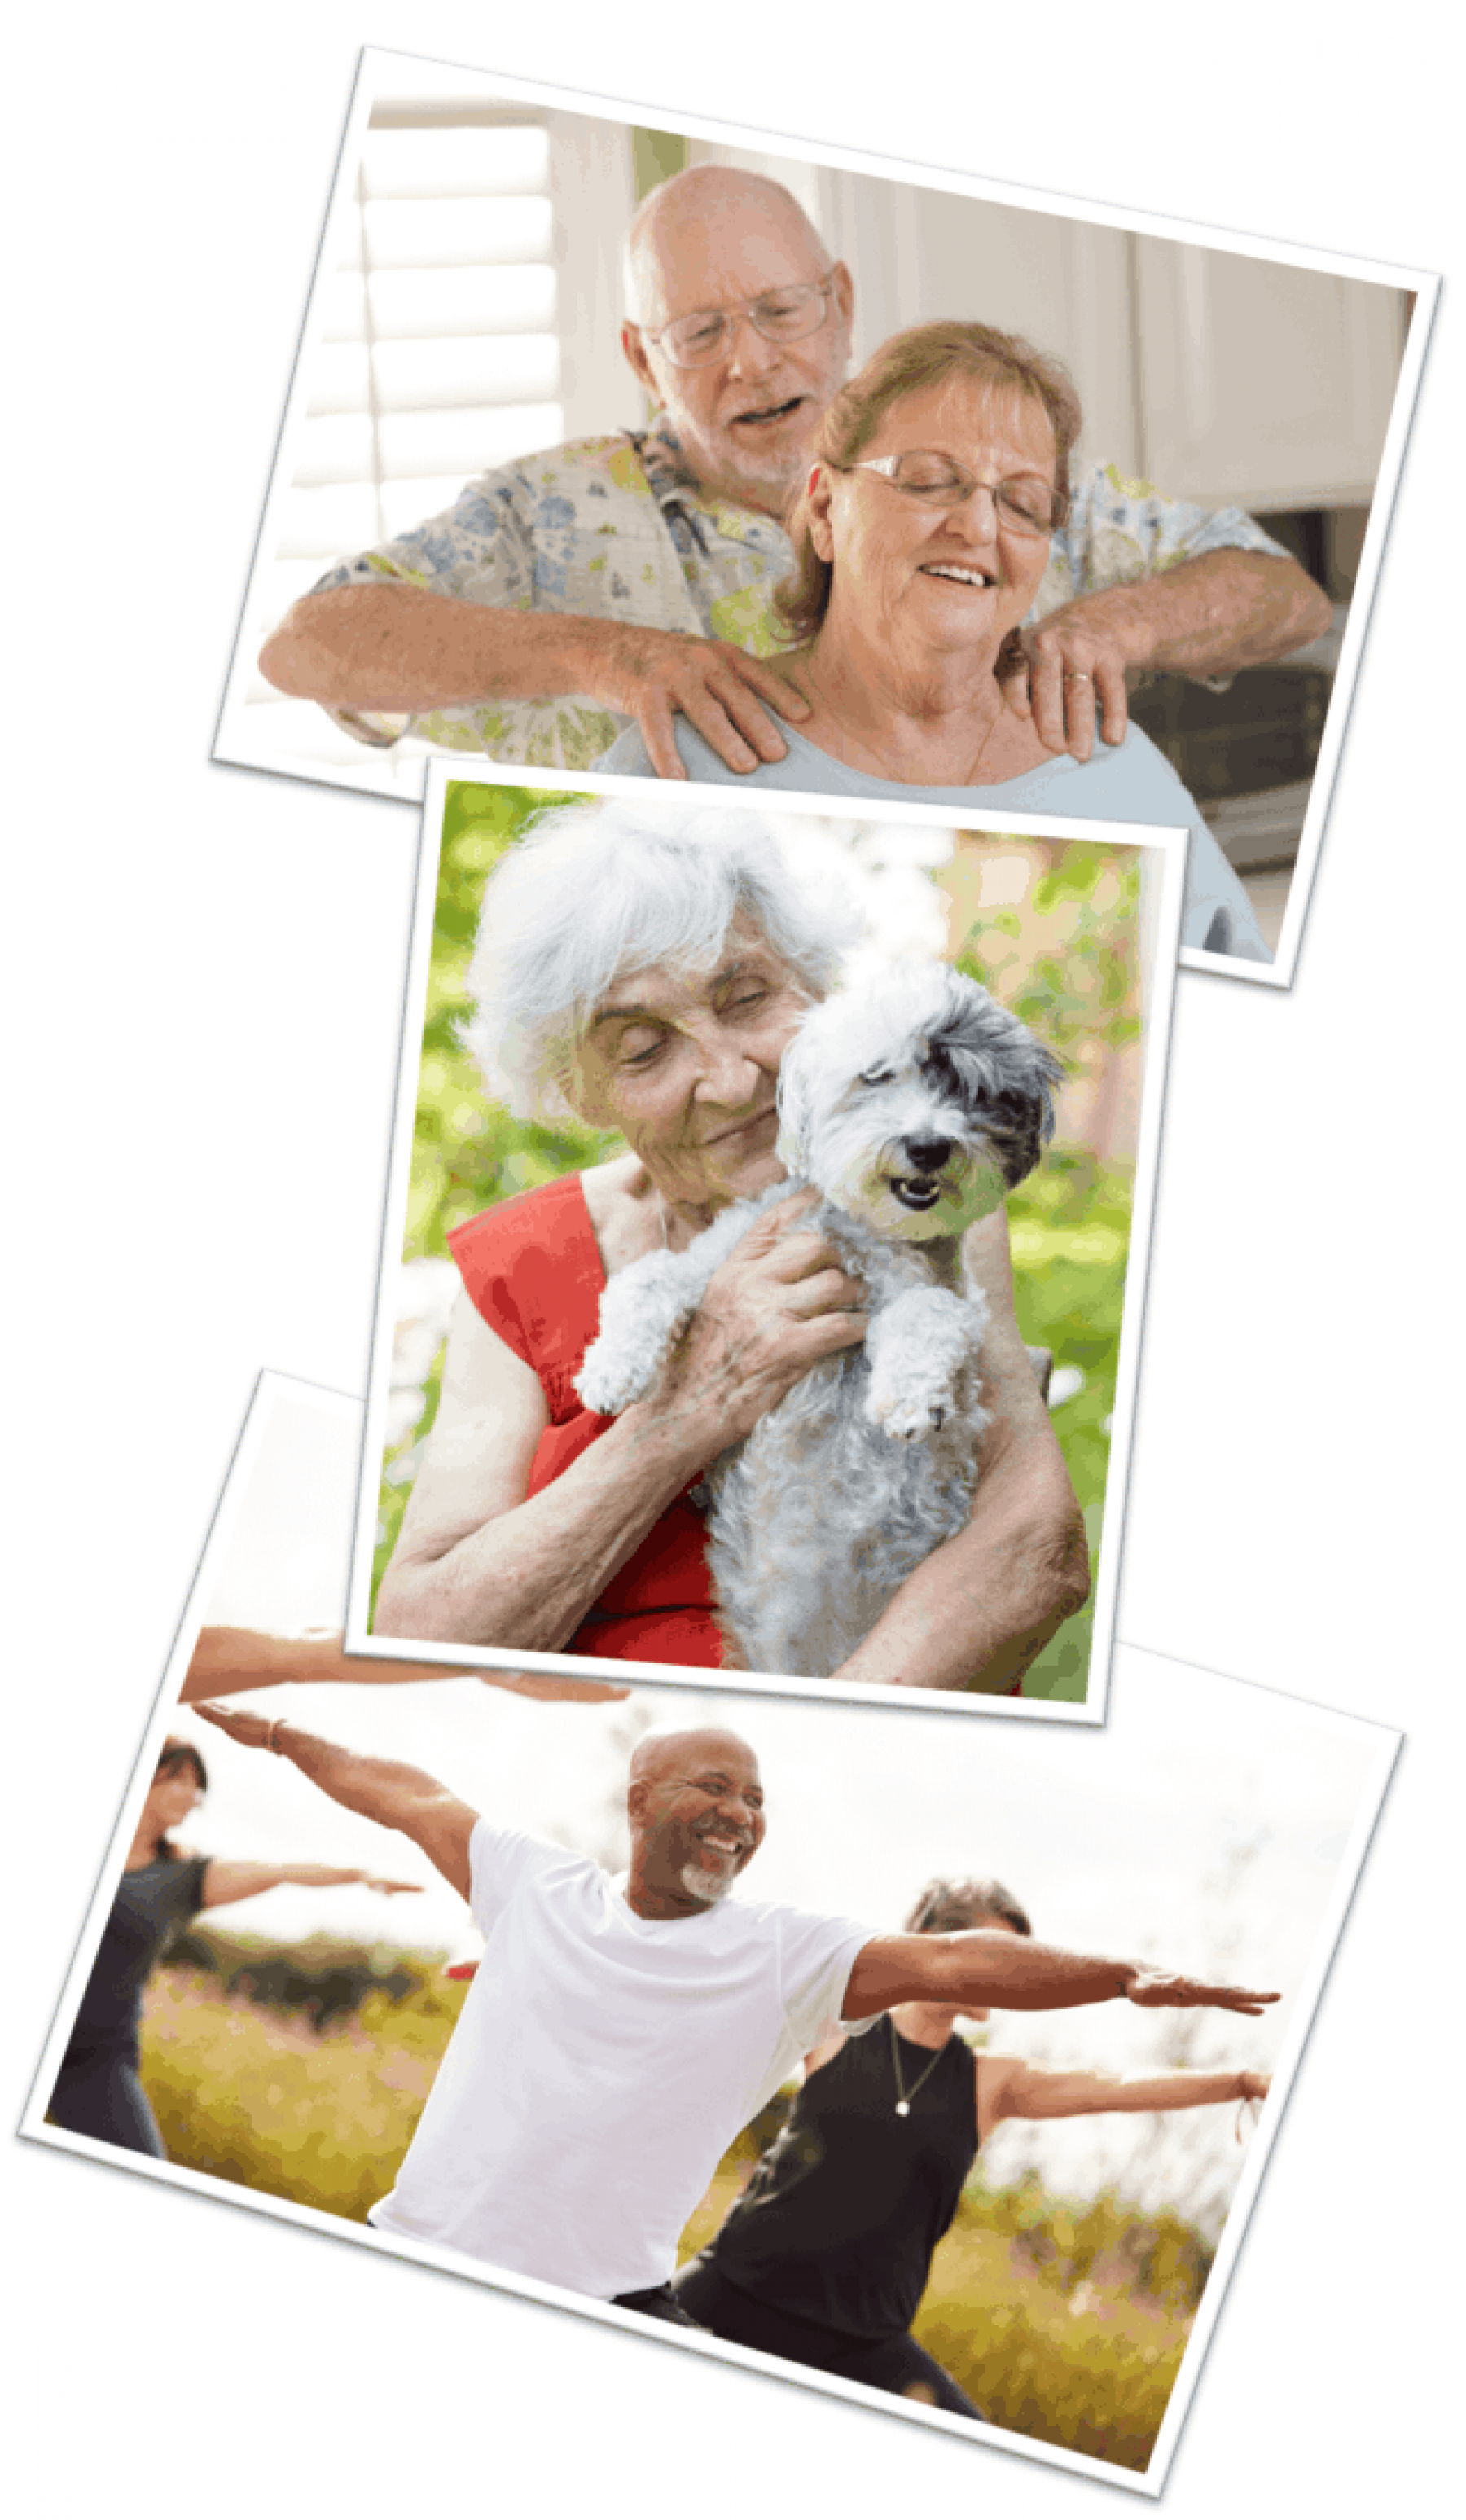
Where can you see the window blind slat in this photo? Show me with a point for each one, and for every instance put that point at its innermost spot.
(340, 446)
(431, 166)
(417, 305)
(463, 442)
(428, 376)
(325, 523)
(341, 377)
(442, 235)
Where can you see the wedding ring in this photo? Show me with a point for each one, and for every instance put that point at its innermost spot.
(1079, 678)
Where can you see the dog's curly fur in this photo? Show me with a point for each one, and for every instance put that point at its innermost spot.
(912, 1106)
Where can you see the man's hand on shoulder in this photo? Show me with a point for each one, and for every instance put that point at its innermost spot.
(1069, 677)
(656, 675)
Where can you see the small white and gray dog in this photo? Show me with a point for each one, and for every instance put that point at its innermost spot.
(912, 1105)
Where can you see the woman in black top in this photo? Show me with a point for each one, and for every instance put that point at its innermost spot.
(825, 2256)
(98, 2090)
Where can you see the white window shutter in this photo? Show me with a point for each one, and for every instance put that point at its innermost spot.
(440, 352)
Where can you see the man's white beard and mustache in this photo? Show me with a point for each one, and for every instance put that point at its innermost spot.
(710, 1885)
(707, 1888)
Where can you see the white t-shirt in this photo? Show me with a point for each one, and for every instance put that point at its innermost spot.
(603, 2064)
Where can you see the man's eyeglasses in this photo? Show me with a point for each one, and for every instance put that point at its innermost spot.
(779, 315)
(1030, 507)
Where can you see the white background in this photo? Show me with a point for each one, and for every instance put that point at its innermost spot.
(201, 974)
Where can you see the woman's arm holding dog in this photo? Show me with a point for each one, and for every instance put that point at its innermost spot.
(982, 1605)
(479, 1561)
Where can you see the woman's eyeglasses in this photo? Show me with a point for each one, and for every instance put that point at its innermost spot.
(779, 315)
(1030, 507)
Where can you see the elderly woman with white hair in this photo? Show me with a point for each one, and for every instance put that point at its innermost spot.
(648, 977)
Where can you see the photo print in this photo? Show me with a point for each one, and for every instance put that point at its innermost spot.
(765, 1244)
(953, 2105)
(1133, 589)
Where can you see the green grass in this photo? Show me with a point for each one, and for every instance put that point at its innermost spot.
(1065, 2323)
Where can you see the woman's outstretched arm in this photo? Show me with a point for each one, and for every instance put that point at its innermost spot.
(227, 1880)
(1007, 2087)
(379, 1789)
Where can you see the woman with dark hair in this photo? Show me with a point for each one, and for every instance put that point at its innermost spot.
(98, 2090)
(922, 539)
(825, 2257)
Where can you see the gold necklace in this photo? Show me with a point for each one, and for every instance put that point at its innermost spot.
(905, 2097)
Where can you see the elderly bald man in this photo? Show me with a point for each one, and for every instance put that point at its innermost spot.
(619, 2032)
(629, 578)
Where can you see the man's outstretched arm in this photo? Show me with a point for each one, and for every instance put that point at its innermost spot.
(227, 1661)
(404, 649)
(379, 1789)
(989, 1967)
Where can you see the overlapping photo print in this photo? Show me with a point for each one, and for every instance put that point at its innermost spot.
(935, 2070)
(765, 1244)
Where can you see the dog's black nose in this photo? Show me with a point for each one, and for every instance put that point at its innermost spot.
(928, 1154)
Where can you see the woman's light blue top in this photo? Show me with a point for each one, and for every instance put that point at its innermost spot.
(1125, 783)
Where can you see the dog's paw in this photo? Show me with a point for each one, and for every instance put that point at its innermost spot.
(907, 1417)
(607, 1382)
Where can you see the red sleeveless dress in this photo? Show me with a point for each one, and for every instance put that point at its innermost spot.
(532, 1269)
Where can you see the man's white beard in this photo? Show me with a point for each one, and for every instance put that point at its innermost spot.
(707, 1887)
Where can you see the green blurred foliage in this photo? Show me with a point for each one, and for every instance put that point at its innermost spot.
(1066, 964)
(466, 1152)
(1065, 2321)
(263, 2099)
(1067, 961)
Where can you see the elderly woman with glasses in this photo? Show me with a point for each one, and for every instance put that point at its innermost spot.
(648, 974)
(920, 538)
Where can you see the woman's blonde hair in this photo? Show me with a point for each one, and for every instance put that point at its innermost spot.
(930, 354)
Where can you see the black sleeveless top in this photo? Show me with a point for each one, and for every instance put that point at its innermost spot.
(839, 2220)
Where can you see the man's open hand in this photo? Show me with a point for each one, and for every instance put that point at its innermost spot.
(252, 1732)
(1160, 1988)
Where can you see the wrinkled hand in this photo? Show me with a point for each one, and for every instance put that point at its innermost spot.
(1072, 669)
(1158, 1988)
(653, 675)
(252, 1732)
(780, 1303)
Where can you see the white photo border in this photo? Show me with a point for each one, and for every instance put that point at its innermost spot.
(1423, 286)
(1170, 848)
(274, 1388)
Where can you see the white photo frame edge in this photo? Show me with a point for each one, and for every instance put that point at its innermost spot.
(1422, 285)
(1170, 847)
(272, 1386)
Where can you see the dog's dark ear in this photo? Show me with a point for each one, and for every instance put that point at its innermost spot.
(1025, 1110)
(1006, 1075)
